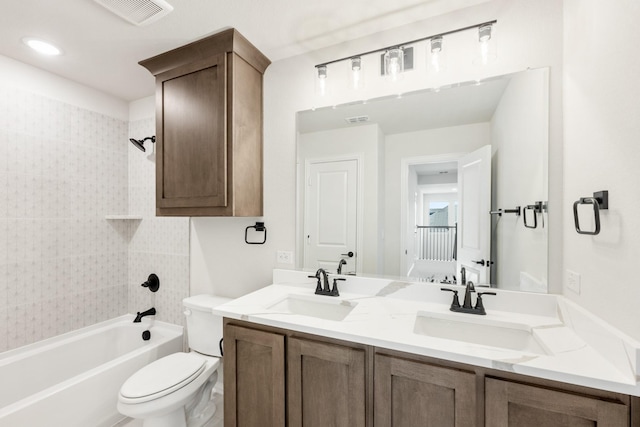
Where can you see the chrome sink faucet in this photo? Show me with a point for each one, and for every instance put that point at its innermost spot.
(340, 264)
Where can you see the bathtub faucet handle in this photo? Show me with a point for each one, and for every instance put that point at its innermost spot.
(153, 283)
(150, 312)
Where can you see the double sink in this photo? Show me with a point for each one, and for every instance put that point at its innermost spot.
(441, 324)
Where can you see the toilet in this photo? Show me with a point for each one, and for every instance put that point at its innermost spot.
(175, 391)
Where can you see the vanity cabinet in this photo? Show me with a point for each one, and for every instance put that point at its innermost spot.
(409, 393)
(209, 127)
(254, 378)
(326, 380)
(523, 405)
(277, 377)
(326, 384)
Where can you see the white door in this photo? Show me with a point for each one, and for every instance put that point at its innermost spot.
(331, 215)
(474, 227)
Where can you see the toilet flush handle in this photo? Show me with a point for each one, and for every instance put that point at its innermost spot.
(187, 312)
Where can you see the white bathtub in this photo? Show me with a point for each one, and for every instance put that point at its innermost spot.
(73, 379)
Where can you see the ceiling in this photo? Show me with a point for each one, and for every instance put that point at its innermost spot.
(462, 104)
(102, 50)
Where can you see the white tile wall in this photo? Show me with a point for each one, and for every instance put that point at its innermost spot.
(158, 245)
(62, 265)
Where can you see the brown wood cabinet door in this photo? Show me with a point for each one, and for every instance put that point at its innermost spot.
(191, 157)
(410, 394)
(520, 405)
(254, 378)
(326, 385)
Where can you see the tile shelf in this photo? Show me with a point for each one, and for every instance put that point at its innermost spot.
(123, 217)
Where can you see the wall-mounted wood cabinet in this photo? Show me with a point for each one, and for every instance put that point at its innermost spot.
(320, 381)
(209, 127)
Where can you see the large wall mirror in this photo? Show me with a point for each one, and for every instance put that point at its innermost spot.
(427, 183)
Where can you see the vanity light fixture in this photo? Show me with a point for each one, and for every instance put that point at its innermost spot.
(435, 54)
(486, 46)
(355, 67)
(394, 62)
(41, 46)
(394, 58)
(321, 81)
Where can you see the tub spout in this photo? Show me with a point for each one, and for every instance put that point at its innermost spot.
(150, 312)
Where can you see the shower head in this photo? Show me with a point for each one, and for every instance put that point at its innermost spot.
(139, 143)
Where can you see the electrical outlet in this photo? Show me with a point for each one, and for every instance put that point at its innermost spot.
(573, 281)
(284, 257)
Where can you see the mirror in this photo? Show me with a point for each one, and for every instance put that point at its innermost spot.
(428, 182)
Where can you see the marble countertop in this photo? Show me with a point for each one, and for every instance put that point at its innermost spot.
(554, 338)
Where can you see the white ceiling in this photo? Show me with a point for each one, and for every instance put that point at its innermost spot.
(462, 104)
(101, 50)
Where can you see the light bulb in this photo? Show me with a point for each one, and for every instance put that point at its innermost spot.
(484, 52)
(41, 46)
(322, 79)
(356, 72)
(394, 62)
(435, 45)
(487, 51)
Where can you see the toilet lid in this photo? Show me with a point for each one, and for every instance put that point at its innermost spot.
(163, 376)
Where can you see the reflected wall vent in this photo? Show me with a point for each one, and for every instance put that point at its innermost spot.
(138, 12)
(357, 119)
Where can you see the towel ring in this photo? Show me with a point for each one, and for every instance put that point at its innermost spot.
(260, 227)
(536, 209)
(600, 200)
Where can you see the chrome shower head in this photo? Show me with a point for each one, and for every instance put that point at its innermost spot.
(139, 143)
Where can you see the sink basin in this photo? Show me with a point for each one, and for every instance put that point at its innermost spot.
(511, 336)
(321, 307)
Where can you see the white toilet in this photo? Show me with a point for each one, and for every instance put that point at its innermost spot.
(175, 391)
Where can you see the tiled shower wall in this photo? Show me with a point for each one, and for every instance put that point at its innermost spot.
(159, 245)
(62, 265)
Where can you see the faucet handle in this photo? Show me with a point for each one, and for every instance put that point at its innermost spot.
(455, 303)
(318, 284)
(334, 289)
(479, 306)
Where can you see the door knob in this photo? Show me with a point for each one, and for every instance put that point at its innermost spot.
(481, 262)
(348, 254)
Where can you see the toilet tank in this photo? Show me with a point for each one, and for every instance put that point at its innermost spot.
(204, 329)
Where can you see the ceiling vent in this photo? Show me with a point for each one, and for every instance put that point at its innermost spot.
(357, 119)
(138, 12)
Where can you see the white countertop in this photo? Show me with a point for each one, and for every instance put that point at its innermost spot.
(570, 344)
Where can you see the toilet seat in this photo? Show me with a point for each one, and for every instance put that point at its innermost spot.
(162, 377)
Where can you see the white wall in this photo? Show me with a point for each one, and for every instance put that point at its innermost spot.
(22, 76)
(223, 263)
(519, 132)
(601, 128)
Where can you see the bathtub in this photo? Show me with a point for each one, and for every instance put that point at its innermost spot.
(73, 379)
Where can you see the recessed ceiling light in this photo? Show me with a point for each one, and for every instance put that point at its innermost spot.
(41, 46)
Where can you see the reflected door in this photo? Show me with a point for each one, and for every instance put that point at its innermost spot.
(331, 215)
(474, 192)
